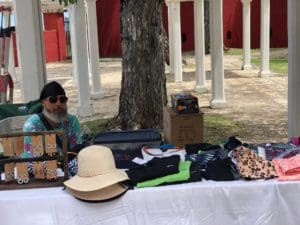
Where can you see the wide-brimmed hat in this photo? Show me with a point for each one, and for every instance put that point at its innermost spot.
(96, 170)
(103, 194)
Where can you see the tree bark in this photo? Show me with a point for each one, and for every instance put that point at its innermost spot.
(206, 24)
(143, 90)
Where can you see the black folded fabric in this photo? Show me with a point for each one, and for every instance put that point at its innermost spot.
(195, 148)
(221, 170)
(195, 173)
(232, 143)
(201, 159)
(123, 158)
(157, 167)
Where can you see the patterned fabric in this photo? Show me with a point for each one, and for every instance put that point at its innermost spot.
(70, 125)
(73, 167)
(202, 158)
(252, 166)
(288, 169)
(272, 150)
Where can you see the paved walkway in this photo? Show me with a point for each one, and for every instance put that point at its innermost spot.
(259, 103)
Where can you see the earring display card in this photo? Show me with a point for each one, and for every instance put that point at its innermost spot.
(51, 166)
(22, 171)
(8, 151)
(37, 148)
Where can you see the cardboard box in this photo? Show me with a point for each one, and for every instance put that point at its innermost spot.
(182, 129)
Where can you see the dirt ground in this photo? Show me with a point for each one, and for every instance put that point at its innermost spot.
(258, 103)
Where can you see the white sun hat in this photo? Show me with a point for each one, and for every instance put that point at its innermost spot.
(96, 170)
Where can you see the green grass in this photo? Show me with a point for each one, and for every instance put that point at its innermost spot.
(278, 65)
(97, 125)
(218, 128)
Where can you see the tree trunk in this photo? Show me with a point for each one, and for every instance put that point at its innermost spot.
(143, 90)
(206, 24)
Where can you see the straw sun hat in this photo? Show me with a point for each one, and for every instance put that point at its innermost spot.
(97, 177)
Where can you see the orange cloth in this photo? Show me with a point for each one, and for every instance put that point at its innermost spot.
(288, 169)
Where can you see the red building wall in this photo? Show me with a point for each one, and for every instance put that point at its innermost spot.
(232, 23)
(51, 46)
(109, 25)
(54, 38)
(108, 19)
(233, 27)
(54, 22)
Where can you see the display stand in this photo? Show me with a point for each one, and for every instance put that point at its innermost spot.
(45, 160)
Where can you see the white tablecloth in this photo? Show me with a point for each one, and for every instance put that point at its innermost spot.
(204, 203)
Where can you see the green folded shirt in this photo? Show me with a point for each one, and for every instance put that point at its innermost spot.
(184, 174)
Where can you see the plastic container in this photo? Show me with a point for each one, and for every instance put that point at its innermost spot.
(128, 140)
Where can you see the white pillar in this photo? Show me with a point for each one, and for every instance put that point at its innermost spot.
(217, 64)
(71, 9)
(93, 48)
(11, 62)
(264, 38)
(171, 39)
(293, 68)
(176, 39)
(246, 35)
(199, 46)
(5, 40)
(85, 107)
(6, 18)
(30, 48)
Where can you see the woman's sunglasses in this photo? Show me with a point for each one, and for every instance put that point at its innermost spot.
(53, 99)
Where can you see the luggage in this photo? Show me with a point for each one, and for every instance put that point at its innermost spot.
(128, 140)
(126, 145)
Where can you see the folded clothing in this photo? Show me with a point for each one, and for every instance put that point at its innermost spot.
(197, 147)
(157, 167)
(252, 166)
(202, 158)
(182, 175)
(149, 153)
(221, 170)
(288, 169)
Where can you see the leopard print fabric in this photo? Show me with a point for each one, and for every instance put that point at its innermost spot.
(251, 166)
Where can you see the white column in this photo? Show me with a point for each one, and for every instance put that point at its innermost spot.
(264, 38)
(171, 38)
(293, 68)
(6, 15)
(176, 33)
(11, 62)
(93, 48)
(246, 35)
(71, 9)
(199, 46)
(85, 107)
(217, 64)
(30, 48)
